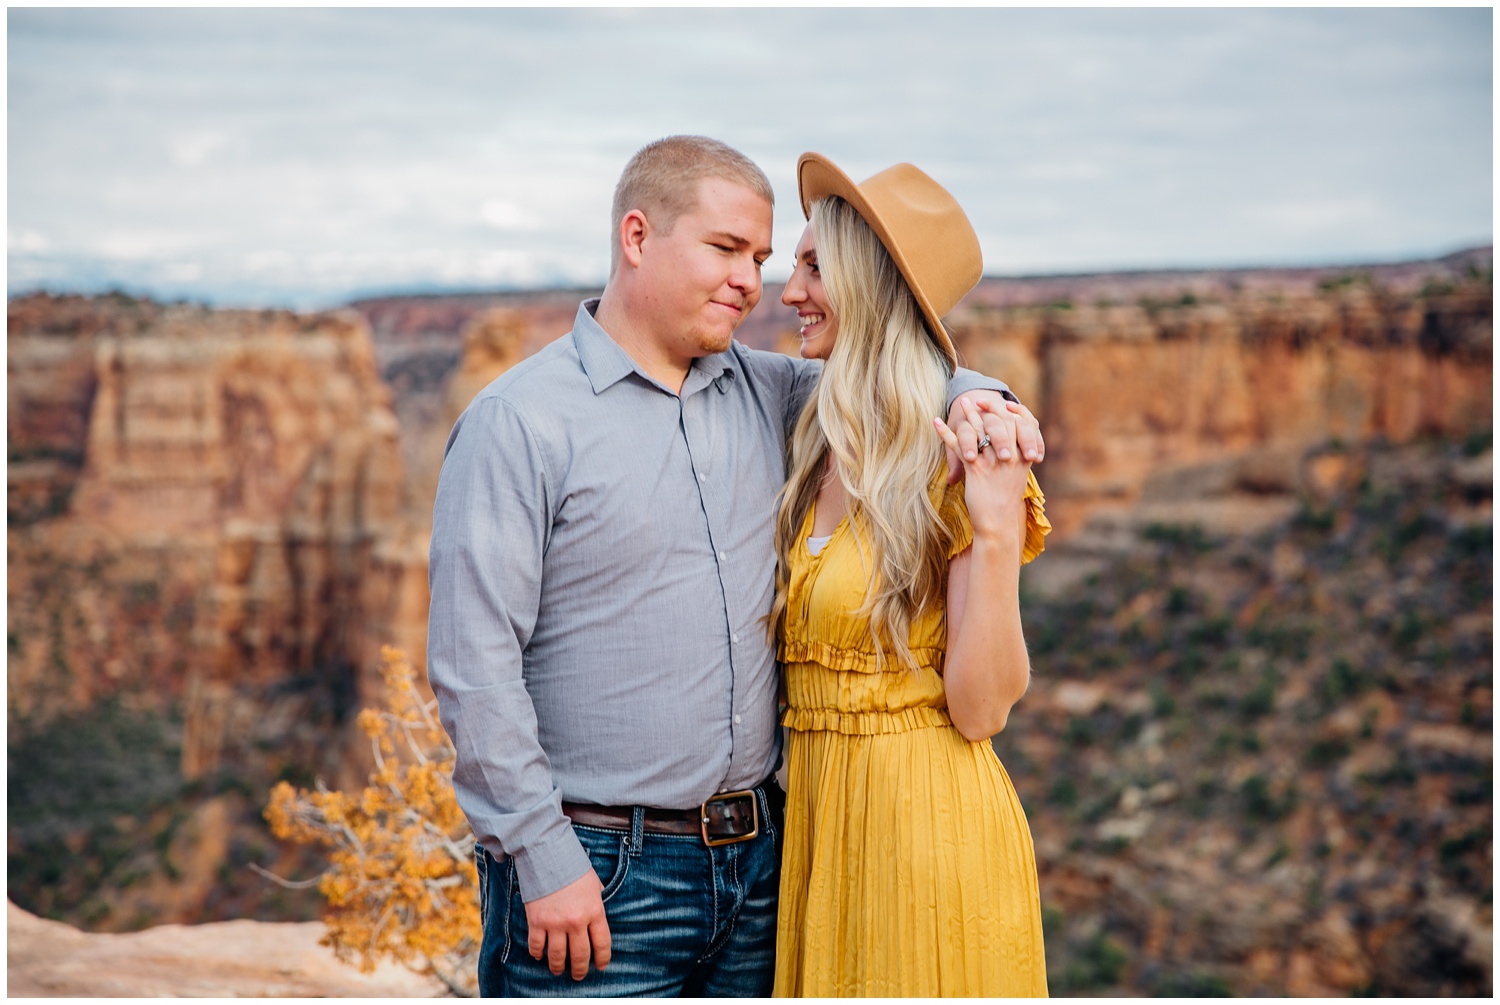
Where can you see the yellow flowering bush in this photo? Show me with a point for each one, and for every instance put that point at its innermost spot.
(402, 882)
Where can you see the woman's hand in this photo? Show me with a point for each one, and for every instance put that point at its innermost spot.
(1028, 431)
(995, 476)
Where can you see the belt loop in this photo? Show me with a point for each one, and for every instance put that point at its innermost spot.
(637, 830)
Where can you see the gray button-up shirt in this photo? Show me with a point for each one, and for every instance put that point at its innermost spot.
(602, 556)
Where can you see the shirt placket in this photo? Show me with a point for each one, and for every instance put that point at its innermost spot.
(709, 474)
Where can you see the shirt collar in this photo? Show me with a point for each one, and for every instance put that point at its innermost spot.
(606, 364)
(603, 360)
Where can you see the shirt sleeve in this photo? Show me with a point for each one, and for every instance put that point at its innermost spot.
(971, 380)
(805, 374)
(790, 379)
(490, 526)
(796, 378)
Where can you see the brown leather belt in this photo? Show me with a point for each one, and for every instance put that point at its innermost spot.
(723, 819)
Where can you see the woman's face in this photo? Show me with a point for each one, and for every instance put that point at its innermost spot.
(804, 291)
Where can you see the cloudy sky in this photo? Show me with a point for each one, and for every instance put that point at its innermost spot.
(303, 157)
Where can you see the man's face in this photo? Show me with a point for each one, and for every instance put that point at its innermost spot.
(703, 278)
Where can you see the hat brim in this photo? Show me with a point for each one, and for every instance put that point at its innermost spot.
(817, 178)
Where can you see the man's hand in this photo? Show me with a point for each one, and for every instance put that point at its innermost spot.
(1028, 431)
(567, 924)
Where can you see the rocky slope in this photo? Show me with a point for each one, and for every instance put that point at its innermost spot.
(1262, 763)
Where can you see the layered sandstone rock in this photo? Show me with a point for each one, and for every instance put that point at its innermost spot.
(206, 537)
(1126, 393)
(223, 505)
(235, 959)
(494, 340)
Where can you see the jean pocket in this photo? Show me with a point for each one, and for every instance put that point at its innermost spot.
(773, 811)
(482, 869)
(609, 854)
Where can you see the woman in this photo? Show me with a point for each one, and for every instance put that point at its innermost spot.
(908, 866)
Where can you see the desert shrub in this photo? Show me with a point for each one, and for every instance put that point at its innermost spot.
(1313, 517)
(402, 882)
(1399, 771)
(1190, 661)
(89, 767)
(1462, 857)
(1080, 731)
(1179, 600)
(1261, 701)
(1192, 984)
(1262, 802)
(1099, 962)
(1342, 681)
(1210, 631)
(1064, 792)
(1326, 752)
(1408, 630)
(1188, 537)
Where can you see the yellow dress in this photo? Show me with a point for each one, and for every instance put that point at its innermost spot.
(908, 867)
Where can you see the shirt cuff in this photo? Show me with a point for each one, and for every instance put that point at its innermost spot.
(544, 869)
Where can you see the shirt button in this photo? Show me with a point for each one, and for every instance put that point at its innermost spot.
(734, 638)
(702, 477)
(736, 720)
(722, 556)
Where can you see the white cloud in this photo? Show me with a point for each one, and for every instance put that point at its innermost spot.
(193, 150)
(142, 245)
(26, 241)
(301, 153)
(502, 214)
(181, 272)
(1312, 217)
(1078, 169)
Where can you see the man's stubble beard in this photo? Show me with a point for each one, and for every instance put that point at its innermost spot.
(713, 341)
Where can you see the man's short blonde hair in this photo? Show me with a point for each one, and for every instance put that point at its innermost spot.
(661, 181)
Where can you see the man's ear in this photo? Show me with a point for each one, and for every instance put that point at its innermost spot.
(633, 230)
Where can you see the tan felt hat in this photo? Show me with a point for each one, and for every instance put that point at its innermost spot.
(919, 222)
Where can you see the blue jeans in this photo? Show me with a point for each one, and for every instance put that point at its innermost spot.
(684, 919)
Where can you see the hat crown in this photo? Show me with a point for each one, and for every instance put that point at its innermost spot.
(921, 225)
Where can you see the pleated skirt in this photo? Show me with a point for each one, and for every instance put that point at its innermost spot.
(908, 870)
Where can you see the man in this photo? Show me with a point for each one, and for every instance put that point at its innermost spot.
(601, 566)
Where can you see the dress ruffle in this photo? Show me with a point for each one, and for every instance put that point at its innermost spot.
(864, 723)
(848, 660)
(956, 514)
(1037, 524)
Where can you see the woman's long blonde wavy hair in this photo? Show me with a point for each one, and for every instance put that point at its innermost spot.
(872, 412)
